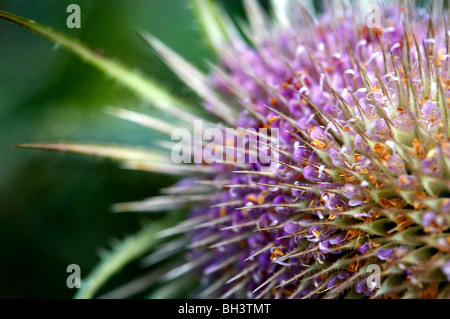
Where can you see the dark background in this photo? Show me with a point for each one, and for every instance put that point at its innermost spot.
(54, 207)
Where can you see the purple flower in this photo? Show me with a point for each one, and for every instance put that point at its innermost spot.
(395, 165)
(348, 140)
(364, 248)
(443, 244)
(282, 200)
(408, 182)
(315, 175)
(356, 195)
(315, 234)
(431, 115)
(361, 144)
(338, 278)
(404, 121)
(433, 222)
(291, 227)
(333, 202)
(326, 245)
(431, 168)
(362, 287)
(328, 186)
(384, 254)
(337, 240)
(382, 129)
(300, 193)
(428, 218)
(336, 158)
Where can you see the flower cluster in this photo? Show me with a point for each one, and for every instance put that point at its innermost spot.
(363, 175)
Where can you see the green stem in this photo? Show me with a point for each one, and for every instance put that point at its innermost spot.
(131, 248)
(141, 85)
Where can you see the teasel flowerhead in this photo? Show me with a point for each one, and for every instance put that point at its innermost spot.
(361, 183)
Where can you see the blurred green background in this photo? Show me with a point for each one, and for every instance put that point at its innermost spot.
(54, 207)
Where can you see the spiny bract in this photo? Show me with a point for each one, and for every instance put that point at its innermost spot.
(363, 176)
